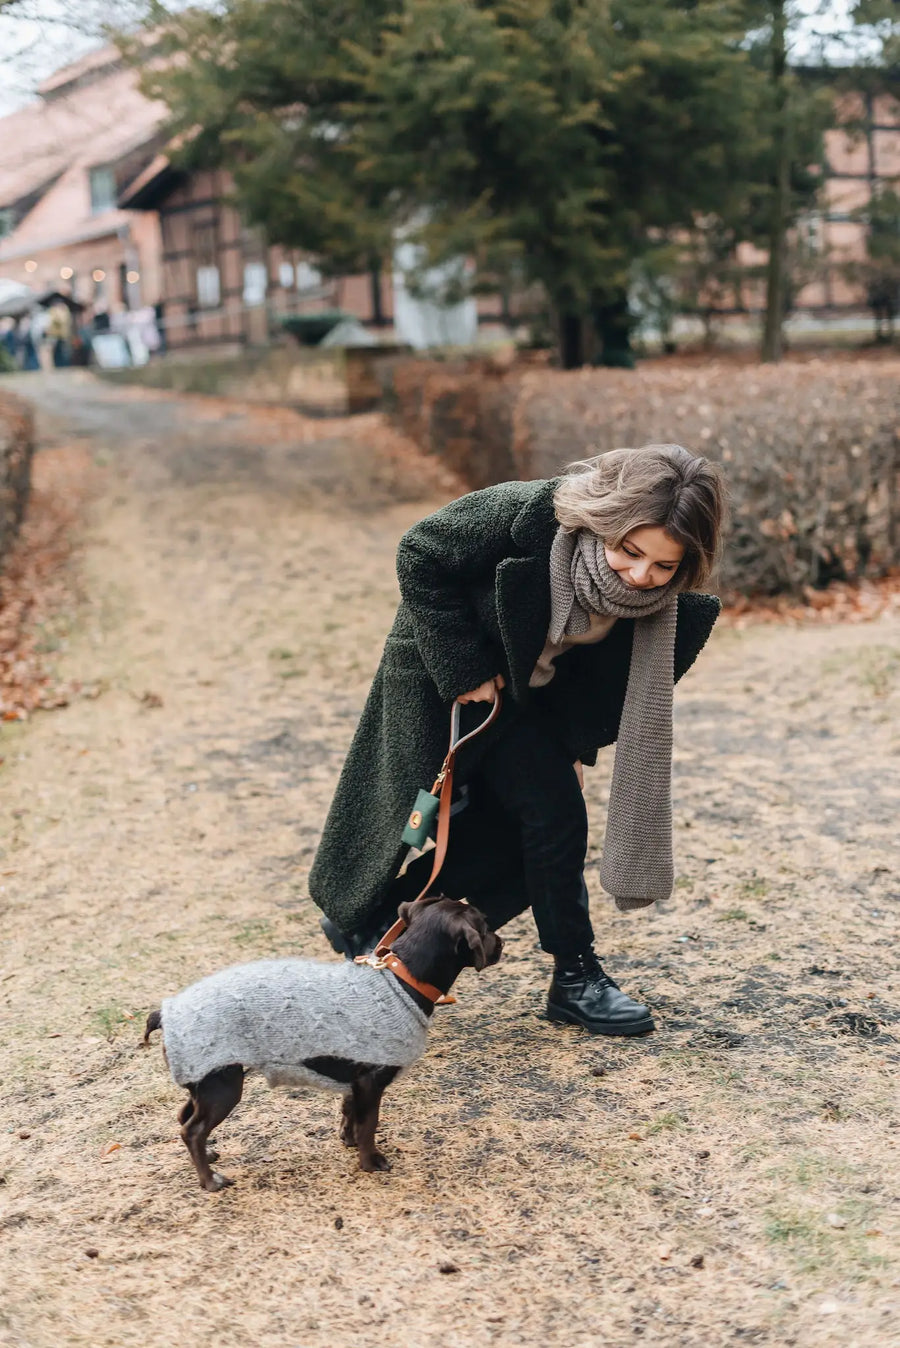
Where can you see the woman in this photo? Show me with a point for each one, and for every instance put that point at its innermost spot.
(568, 594)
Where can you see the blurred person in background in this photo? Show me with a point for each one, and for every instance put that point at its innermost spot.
(59, 333)
(28, 350)
(9, 342)
(38, 329)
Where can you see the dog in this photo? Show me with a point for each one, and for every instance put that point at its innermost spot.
(350, 1027)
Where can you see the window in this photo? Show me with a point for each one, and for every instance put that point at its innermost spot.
(7, 223)
(810, 232)
(255, 282)
(286, 275)
(308, 277)
(209, 290)
(103, 190)
(209, 284)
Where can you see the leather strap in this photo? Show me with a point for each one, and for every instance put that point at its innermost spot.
(384, 957)
(395, 964)
(444, 782)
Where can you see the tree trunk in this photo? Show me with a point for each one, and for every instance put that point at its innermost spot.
(776, 277)
(571, 341)
(378, 317)
(612, 324)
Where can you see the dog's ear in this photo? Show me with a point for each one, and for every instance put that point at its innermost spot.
(474, 939)
(416, 905)
(404, 911)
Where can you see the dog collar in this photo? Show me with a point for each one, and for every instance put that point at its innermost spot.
(384, 958)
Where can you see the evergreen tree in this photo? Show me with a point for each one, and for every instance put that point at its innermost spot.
(260, 87)
(553, 141)
(879, 271)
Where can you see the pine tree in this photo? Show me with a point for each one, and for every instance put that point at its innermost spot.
(555, 142)
(259, 87)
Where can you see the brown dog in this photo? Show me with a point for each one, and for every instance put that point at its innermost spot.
(346, 1027)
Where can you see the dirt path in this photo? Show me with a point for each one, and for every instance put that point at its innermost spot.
(732, 1179)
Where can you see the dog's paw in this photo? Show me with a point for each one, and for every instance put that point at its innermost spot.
(374, 1162)
(218, 1182)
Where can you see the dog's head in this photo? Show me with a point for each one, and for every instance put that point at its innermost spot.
(449, 928)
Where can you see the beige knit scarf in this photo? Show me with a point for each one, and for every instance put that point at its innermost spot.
(637, 867)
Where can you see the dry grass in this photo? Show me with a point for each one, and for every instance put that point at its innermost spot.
(731, 1179)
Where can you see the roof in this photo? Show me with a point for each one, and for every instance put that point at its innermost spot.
(96, 116)
(152, 186)
(28, 239)
(14, 306)
(101, 58)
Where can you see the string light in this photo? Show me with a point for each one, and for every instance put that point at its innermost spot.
(31, 265)
(66, 273)
(132, 277)
(99, 274)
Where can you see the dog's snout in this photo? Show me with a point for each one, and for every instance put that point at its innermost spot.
(493, 948)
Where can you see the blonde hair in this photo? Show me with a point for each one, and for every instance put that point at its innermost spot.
(657, 485)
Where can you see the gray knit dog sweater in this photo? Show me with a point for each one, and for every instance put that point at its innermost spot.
(272, 1014)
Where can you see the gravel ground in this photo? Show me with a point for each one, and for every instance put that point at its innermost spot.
(731, 1179)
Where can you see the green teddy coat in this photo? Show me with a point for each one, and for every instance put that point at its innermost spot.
(475, 586)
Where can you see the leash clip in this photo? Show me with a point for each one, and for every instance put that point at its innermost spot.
(374, 961)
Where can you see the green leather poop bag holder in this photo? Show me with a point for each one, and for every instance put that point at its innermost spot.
(423, 817)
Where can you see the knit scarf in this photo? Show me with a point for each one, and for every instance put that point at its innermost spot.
(637, 866)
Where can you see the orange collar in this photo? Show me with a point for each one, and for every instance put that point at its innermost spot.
(384, 958)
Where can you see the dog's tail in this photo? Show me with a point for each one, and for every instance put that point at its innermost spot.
(154, 1022)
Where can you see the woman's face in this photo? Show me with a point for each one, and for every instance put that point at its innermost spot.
(646, 558)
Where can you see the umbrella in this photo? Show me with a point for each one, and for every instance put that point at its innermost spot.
(15, 299)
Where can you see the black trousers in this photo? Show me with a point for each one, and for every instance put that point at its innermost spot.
(522, 801)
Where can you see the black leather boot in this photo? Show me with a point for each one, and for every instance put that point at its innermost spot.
(582, 994)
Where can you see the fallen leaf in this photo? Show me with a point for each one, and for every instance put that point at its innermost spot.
(111, 1147)
(635, 1137)
(664, 1252)
(447, 1266)
(836, 1220)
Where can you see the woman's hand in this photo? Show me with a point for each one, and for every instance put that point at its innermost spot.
(579, 772)
(484, 692)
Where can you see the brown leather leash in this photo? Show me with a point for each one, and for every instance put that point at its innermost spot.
(383, 957)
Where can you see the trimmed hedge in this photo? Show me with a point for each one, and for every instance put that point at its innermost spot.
(811, 449)
(16, 450)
